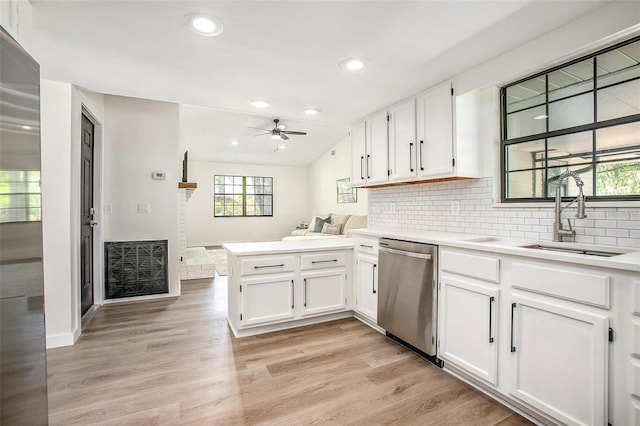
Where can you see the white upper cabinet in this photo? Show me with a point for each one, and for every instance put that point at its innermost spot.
(377, 160)
(370, 151)
(403, 149)
(358, 155)
(435, 132)
(418, 140)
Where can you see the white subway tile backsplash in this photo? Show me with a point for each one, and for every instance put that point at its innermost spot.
(428, 207)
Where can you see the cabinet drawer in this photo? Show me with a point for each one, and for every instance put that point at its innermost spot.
(366, 245)
(267, 264)
(472, 265)
(322, 260)
(565, 283)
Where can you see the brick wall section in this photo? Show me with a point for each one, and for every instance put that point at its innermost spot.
(428, 207)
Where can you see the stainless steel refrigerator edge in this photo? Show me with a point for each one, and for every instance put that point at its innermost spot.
(407, 292)
(23, 374)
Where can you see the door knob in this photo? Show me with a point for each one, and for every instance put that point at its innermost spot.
(93, 223)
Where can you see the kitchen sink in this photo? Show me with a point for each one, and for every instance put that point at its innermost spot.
(576, 250)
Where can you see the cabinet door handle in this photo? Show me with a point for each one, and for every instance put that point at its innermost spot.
(293, 295)
(304, 294)
(513, 310)
(411, 156)
(280, 265)
(323, 261)
(421, 165)
(373, 278)
(491, 300)
(361, 167)
(364, 245)
(368, 161)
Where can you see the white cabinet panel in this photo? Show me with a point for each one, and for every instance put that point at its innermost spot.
(559, 359)
(377, 157)
(566, 283)
(468, 327)
(267, 298)
(435, 132)
(470, 264)
(403, 150)
(367, 286)
(324, 291)
(358, 155)
(267, 264)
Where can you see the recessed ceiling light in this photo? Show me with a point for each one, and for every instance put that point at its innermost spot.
(282, 146)
(540, 117)
(203, 24)
(353, 64)
(311, 111)
(234, 142)
(260, 104)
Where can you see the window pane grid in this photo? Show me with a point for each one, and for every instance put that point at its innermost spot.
(243, 196)
(20, 199)
(587, 124)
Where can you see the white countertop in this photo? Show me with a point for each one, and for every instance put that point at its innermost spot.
(272, 247)
(627, 262)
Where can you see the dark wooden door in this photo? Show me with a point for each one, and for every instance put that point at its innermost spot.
(87, 212)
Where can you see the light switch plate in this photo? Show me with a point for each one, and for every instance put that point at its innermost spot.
(144, 208)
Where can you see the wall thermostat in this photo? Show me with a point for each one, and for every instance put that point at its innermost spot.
(158, 175)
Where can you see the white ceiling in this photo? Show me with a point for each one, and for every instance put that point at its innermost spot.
(284, 51)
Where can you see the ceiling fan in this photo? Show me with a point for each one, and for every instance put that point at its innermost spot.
(278, 131)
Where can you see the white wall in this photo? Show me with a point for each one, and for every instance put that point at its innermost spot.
(289, 205)
(61, 106)
(141, 137)
(321, 183)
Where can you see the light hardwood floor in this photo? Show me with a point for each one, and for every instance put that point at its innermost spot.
(174, 361)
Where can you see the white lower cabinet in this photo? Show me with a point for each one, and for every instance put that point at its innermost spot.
(269, 292)
(267, 298)
(535, 332)
(366, 286)
(559, 360)
(468, 335)
(323, 291)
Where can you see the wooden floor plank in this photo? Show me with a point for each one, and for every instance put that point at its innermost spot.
(174, 362)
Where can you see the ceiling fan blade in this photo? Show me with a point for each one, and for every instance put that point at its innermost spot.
(291, 132)
(284, 137)
(258, 128)
(261, 134)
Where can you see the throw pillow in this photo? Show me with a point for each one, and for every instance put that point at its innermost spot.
(317, 227)
(331, 228)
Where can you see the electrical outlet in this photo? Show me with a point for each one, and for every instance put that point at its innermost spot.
(144, 208)
(392, 207)
(455, 208)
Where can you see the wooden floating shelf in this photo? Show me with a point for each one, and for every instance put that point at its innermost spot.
(188, 185)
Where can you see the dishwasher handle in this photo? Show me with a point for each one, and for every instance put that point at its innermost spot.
(405, 253)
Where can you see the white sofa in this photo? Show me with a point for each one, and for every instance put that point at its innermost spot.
(341, 226)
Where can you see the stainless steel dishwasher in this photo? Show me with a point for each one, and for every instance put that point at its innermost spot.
(407, 293)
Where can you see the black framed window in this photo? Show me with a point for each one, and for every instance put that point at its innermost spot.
(20, 196)
(583, 116)
(243, 196)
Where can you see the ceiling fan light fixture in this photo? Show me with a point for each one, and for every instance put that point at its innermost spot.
(258, 103)
(354, 64)
(203, 24)
(276, 137)
(311, 111)
(282, 146)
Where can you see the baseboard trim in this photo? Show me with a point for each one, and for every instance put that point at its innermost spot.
(63, 339)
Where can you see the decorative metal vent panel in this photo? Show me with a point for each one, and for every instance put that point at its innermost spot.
(135, 268)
